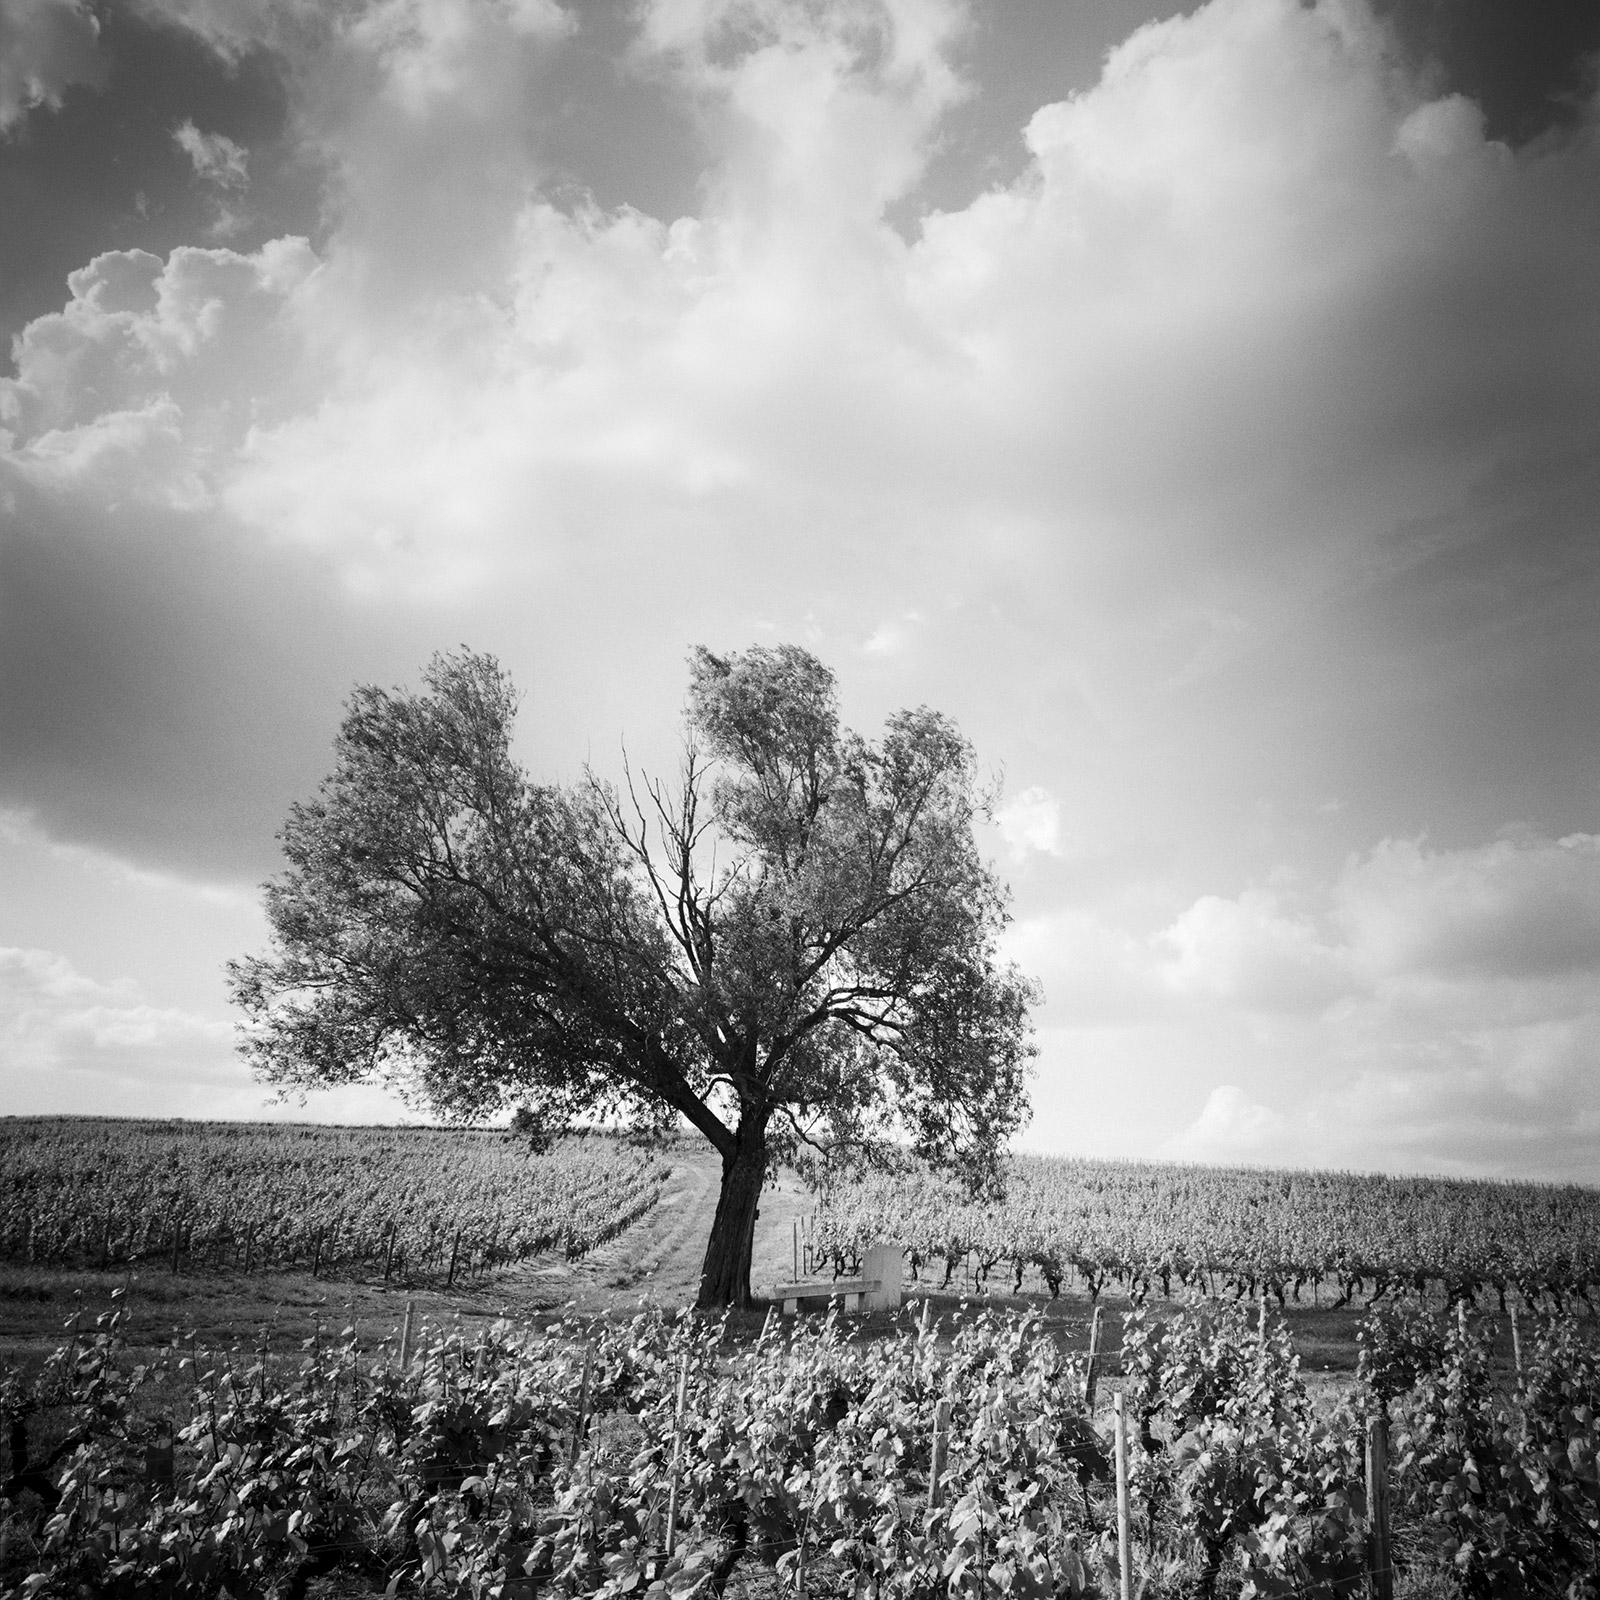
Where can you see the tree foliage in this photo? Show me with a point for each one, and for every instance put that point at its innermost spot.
(793, 946)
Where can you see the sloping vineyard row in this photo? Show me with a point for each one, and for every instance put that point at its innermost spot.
(401, 1200)
(649, 1459)
(1140, 1225)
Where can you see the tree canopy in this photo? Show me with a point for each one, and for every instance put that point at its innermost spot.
(792, 945)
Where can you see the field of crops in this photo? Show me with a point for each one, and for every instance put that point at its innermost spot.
(403, 1202)
(1139, 1225)
(654, 1457)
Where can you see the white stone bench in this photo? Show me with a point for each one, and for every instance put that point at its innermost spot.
(878, 1286)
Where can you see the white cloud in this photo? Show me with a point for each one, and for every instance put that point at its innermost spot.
(215, 157)
(45, 46)
(1522, 907)
(1421, 1009)
(1246, 951)
(1031, 822)
(894, 635)
(1094, 973)
(70, 1044)
(151, 376)
(69, 1041)
(1068, 360)
(1232, 1128)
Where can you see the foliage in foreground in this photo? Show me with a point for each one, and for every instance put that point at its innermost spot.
(564, 1463)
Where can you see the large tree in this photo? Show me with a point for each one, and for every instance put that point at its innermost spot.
(792, 946)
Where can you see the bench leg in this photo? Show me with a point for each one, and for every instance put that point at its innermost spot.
(852, 1302)
(790, 1307)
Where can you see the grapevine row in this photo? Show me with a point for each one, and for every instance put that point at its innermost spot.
(403, 1201)
(1212, 1229)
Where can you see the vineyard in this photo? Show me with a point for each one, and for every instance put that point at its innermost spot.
(405, 1203)
(652, 1457)
(1212, 1229)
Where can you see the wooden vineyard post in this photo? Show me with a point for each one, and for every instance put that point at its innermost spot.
(388, 1254)
(1124, 1533)
(1516, 1341)
(936, 1454)
(677, 1456)
(796, 1277)
(455, 1256)
(1461, 1319)
(583, 1404)
(405, 1335)
(766, 1328)
(316, 1255)
(1261, 1323)
(1091, 1376)
(1380, 1566)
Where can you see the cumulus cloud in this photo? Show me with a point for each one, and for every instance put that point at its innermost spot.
(1421, 1008)
(1031, 822)
(215, 157)
(1247, 951)
(75, 1041)
(1094, 972)
(152, 375)
(72, 1043)
(1521, 907)
(1070, 352)
(1232, 1128)
(45, 46)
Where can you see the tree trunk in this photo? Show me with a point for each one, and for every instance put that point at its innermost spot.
(725, 1277)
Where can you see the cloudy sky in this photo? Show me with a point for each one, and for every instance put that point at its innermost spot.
(1201, 403)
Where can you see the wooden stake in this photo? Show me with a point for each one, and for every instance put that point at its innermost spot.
(583, 1405)
(796, 1277)
(405, 1335)
(941, 1430)
(1091, 1375)
(1380, 1569)
(1516, 1341)
(1124, 1533)
(677, 1455)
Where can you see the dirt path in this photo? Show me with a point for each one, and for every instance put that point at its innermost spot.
(658, 1259)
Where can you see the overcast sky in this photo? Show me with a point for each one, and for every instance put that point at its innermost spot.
(1199, 403)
